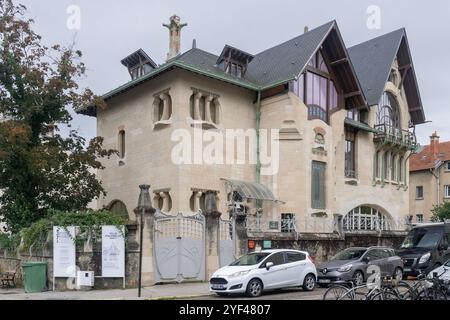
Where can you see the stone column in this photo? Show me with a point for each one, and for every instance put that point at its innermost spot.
(212, 216)
(165, 197)
(197, 196)
(209, 101)
(148, 276)
(197, 98)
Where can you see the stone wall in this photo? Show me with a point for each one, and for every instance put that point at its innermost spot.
(322, 247)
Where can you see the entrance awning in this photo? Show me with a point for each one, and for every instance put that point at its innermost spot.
(251, 190)
(359, 125)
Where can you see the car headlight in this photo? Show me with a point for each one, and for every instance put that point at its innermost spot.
(239, 274)
(425, 258)
(346, 268)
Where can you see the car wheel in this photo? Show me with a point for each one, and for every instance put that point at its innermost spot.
(254, 288)
(309, 283)
(358, 278)
(398, 274)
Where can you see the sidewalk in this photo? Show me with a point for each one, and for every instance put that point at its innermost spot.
(168, 291)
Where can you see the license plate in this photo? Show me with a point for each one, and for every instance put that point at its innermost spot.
(218, 286)
(324, 281)
(407, 269)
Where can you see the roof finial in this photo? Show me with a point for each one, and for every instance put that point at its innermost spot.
(306, 29)
(174, 27)
(194, 44)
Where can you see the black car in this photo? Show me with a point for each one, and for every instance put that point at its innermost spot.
(425, 248)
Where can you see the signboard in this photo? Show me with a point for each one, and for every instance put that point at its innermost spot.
(274, 225)
(113, 252)
(267, 244)
(64, 252)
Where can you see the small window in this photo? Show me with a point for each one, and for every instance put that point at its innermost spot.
(447, 191)
(419, 218)
(295, 257)
(419, 192)
(447, 166)
(122, 142)
(277, 259)
(386, 165)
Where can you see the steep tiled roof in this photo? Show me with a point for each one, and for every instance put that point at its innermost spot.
(373, 61)
(425, 160)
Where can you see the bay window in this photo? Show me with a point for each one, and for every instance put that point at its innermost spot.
(317, 89)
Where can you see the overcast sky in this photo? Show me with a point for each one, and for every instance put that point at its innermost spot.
(110, 30)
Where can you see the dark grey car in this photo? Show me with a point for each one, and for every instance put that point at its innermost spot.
(353, 264)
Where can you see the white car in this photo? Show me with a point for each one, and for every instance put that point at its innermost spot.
(266, 270)
(443, 271)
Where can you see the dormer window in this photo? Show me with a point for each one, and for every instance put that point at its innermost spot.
(138, 64)
(234, 61)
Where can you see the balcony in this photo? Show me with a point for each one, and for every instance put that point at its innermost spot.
(388, 134)
(316, 112)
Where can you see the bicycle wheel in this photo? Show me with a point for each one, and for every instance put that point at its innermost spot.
(384, 295)
(335, 292)
(405, 291)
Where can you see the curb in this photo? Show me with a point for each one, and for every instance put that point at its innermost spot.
(181, 297)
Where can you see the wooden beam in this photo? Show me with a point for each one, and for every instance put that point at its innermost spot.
(404, 74)
(415, 109)
(340, 61)
(406, 66)
(352, 94)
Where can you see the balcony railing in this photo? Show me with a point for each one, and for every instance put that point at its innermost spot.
(393, 135)
(316, 112)
(256, 224)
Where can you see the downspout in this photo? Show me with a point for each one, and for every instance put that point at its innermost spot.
(438, 184)
(258, 138)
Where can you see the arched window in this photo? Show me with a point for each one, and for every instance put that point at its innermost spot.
(366, 218)
(388, 113)
(122, 141)
(162, 107)
(119, 208)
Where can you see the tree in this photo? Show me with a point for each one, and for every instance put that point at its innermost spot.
(441, 213)
(40, 168)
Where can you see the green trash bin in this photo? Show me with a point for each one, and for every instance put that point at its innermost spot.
(34, 276)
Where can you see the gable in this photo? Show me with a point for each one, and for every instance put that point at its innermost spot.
(373, 61)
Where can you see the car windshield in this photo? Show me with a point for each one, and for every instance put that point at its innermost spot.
(250, 259)
(349, 254)
(422, 238)
(448, 263)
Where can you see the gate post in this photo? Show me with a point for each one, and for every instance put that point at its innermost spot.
(212, 218)
(148, 277)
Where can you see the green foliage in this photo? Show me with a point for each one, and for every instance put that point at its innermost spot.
(441, 213)
(89, 224)
(41, 169)
(9, 243)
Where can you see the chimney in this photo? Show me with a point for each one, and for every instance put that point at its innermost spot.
(174, 27)
(306, 29)
(434, 146)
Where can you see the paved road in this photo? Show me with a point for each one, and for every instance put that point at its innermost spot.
(288, 294)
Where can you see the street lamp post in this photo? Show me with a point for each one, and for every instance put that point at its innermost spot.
(144, 205)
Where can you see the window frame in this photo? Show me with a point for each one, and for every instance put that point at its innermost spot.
(419, 195)
(122, 144)
(447, 191)
(318, 169)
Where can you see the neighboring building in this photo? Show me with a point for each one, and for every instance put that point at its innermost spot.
(430, 178)
(346, 119)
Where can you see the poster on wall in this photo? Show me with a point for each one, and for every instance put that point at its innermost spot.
(113, 252)
(64, 265)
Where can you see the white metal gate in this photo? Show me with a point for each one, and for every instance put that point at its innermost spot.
(226, 243)
(179, 247)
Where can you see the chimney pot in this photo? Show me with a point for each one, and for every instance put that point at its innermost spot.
(306, 29)
(174, 27)
(434, 145)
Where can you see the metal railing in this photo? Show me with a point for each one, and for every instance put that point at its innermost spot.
(316, 112)
(395, 135)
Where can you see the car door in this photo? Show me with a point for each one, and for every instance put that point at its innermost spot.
(376, 259)
(295, 265)
(275, 277)
(390, 262)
